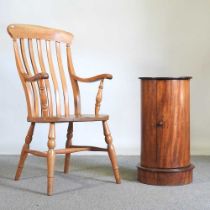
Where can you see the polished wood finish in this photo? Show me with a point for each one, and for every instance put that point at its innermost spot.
(79, 149)
(169, 177)
(23, 31)
(166, 78)
(111, 151)
(92, 79)
(165, 150)
(36, 77)
(72, 149)
(50, 158)
(39, 59)
(68, 145)
(99, 98)
(37, 153)
(71, 118)
(24, 152)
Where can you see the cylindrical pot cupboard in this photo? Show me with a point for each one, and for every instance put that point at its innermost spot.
(165, 131)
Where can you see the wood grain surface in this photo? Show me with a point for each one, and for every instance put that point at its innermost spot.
(165, 125)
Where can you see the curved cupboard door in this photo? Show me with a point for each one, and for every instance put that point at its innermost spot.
(165, 123)
(173, 123)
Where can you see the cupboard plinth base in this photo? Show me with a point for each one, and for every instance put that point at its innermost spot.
(167, 177)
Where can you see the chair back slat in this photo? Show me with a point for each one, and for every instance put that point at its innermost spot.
(35, 71)
(26, 87)
(75, 86)
(41, 52)
(43, 69)
(54, 79)
(24, 58)
(63, 79)
(33, 85)
(41, 84)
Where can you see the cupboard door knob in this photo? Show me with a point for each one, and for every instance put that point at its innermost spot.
(159, 124)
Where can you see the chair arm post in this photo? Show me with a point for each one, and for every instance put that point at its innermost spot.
(41, 85)
(43, 96)
(99, 97)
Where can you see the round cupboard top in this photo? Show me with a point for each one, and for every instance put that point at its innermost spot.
(166, 78)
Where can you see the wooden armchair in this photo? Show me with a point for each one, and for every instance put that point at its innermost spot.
(42, 74)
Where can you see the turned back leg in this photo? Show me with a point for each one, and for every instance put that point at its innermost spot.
(111, 152)
(68, 145)
(24, 152)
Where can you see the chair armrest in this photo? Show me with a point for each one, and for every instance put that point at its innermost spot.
(92, 79)
(96, 78)
(36, 77)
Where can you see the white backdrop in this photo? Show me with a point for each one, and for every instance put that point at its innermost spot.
(127, 38)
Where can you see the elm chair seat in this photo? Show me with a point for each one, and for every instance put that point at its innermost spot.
(71, 118)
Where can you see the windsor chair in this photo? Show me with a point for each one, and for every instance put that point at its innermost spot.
(40, 65)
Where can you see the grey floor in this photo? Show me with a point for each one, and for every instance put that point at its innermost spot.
(90, 185)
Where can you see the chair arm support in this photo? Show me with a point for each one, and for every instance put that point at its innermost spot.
(36, 77)
(92, 79)
(96, 78)
(42, 89)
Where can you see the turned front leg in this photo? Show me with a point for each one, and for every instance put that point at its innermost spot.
(68, 145)
(24, 152)
(50, 159)
(111, 152)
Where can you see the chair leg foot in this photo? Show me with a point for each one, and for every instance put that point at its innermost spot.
(68, 145)
(111, 152)
(24, 154)
(66, 164)
(50, 181)
(113, 158)
(51, 159)
(50, 174)
(117, 175)
(23, 157)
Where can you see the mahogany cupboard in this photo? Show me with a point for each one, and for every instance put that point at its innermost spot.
(165, 127)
